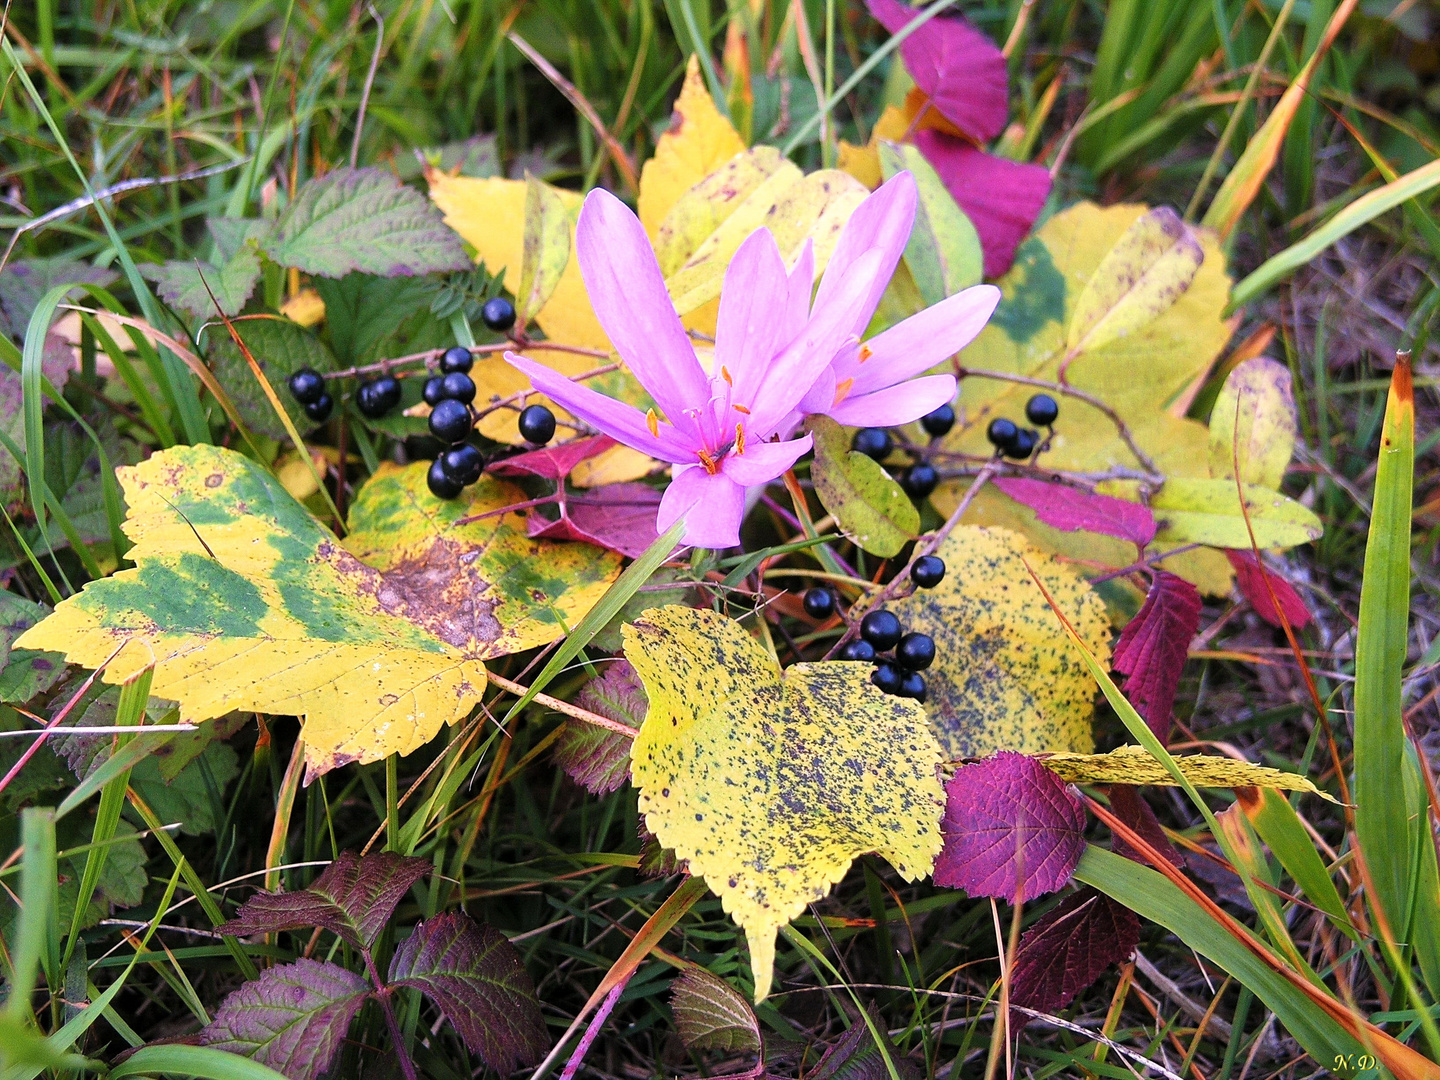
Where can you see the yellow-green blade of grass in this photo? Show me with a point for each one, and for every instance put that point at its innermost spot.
(202, 1062)
(35, 925)
(1277, 823)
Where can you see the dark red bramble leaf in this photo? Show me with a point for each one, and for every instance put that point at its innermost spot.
(1127, 804)
(1072, 509)
(1068, 948)
(552, 462)
(1010, 825)
(1001, 198)
(474, 976)
(354, 898)
(1153, 646)
(957, 66)
(1250, 577)
(617, 516)
(856, 1056)
(596, 759)
(710, 1014)
(292, 1018)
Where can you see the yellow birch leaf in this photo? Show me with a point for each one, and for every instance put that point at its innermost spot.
(699, 141)
(1006, 676)
(1132, 764)
(614, 466)
(1253, 420)
(771, 783)
(305, 308)
(242, 600)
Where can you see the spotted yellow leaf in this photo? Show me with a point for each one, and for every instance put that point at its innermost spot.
(1131, 764)
(770, 783)
(1253, 423)
(1143, 375)
(242, 600)
(1006, 676)
(699, 141)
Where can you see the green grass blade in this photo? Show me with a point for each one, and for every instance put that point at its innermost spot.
(1277, 823)
(34, 926)
(204, 1062)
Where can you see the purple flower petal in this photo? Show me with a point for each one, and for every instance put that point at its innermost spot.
(627, 291)
(1002, 198)
(882, 222)
(763, 462)
(746, 329)
(712, 507)
(957, 66)
(895, 405)
(798, 288)
(925, 339)
(616, 419)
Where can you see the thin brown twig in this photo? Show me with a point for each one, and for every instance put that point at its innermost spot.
(369, 82)
(564, 707)
(432, 356)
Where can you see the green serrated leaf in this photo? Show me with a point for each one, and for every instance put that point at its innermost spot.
(869, 506)
(281, 348)
(231, 276)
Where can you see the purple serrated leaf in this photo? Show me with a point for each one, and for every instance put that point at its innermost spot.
(551, 462)
(1068, 948)
(596, 759)
(475, 977)
(1153, 647)
(1010, 825)
(1251, 576)
(1127, 804)
(1072, 509)
(293, 1018)
(354, 898)
(617, 516)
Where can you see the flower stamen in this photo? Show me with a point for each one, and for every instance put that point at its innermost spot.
(742, 409)
(740, 439)
(842, 390)
(711, 466)
(652, 422)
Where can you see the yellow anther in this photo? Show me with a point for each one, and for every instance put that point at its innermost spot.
(652, 422)
(742, 409)
(865, 353)
(725, 374)
(708, 462)
(842, 390)
(740, 439)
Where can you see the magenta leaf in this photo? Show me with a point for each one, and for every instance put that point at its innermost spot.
(1010, 826)
(617, 516)
(475, 977)
(552, 462)
(1073, 509)
(1153, 646)
(353, 898)
(1127, 804)
(957, 66)
(1068, 948)
(293, 1018)
(596, 759)
(1001, 198)
(1250, 577)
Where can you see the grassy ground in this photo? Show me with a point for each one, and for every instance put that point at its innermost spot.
(144, 89)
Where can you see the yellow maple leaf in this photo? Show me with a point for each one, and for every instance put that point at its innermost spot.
(1005, 675)
(242, 600)
(770, 783)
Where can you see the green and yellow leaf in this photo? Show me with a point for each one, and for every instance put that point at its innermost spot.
(1253, 423)
(1190, 510)
(1132, 764)
(770, 783)
(869, 507)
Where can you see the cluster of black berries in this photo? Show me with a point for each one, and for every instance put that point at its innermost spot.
(881, 633)
(307, 386)
(1012, 441)
(920, 479)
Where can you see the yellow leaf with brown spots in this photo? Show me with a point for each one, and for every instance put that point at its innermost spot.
(1006, 676)
(242, 600)
(1132, 764)
(768, 782)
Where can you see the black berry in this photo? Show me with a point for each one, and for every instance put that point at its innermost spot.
(387, 388)
(306, 386)
(457, 386)
(915, 652)
(919, 480)
(463, 464)
(912, 685)
(873, 442)
(1042, 410)
(498, 314)
(375, 399)
(859, 649)
(881, 629)
(457, 359)
(450, 422)
(819, 603)
(939, 422)
(887, 677)
(537, 424)
(1022, 445)
(319, 409)
(440, 483)
(434, 392)
(928, 571)
(1001, 432)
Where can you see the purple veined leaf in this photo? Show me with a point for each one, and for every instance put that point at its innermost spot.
(293, 1018)
(1068, 948)
(1072, 509)
(957, 66)
(856, 1056)
(552, 462)
(620, 517)
(1002, 198)
(475, 977)
(710, 1014)
(1127, 804)
(1010, 826)
(1153, 646)
(353, 898)
(596, 759)
(656, 860)
(1250, 577)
